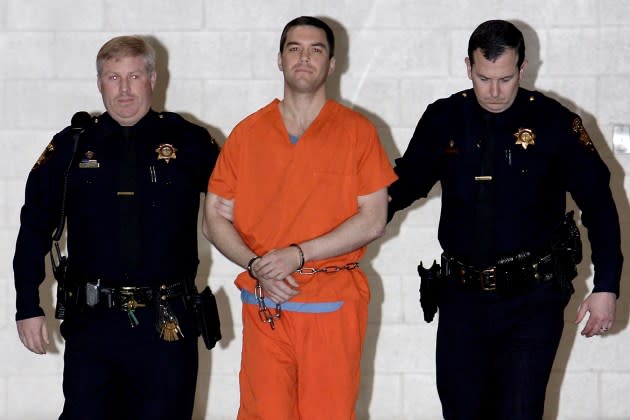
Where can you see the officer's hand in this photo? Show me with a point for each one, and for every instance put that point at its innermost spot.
(34, 334)
(225, 208)
(601, 307)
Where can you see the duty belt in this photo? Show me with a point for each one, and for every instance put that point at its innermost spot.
(130, 297)
(509, 275)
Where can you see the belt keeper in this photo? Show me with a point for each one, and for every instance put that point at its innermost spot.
(250, 270)
(299, 248)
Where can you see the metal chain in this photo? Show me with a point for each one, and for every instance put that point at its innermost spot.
(263, 312)
(309, 271)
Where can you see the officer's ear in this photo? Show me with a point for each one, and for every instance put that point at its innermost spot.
(522, 69)
(468, 67)
(153, 78)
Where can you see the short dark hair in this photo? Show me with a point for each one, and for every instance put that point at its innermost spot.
(310, 21)
(493, 37)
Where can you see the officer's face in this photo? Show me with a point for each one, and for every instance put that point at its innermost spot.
(126, 88)
(305, 59)
(495, 82)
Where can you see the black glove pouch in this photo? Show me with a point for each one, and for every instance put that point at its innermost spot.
(207, 312)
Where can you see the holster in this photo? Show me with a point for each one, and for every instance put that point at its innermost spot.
(429, 289)
(205, 308)
(566, 252)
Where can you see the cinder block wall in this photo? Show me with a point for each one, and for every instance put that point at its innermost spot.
(218, 64)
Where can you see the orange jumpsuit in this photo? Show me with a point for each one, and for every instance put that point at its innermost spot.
(308, 367)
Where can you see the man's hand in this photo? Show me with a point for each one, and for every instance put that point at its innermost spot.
(277, 264)
(274, 271)
(601, 307)
(34, 334)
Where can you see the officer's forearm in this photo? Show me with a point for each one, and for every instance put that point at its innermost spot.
(359, 230)
(223, 235)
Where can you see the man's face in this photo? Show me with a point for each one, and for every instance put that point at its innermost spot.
(495, 82)
(305, 59)
(126, 89)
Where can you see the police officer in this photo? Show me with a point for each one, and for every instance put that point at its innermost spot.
(505, 158)
(132, 192)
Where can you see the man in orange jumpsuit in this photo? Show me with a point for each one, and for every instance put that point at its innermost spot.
(308, 178)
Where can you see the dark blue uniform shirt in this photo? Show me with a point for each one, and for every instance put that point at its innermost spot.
(164, 205)
(530, 183)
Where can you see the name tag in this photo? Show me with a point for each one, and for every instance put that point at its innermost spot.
(89, 164)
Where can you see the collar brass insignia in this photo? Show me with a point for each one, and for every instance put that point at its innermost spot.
(525, 137)
(166, 151)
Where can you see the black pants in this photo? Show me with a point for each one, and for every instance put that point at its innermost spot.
(113, 371)
(494, 355)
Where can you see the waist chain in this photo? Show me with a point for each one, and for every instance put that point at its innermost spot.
(309, 271)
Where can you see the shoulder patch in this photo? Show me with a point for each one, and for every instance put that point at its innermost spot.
(48, 152)
(583, 138)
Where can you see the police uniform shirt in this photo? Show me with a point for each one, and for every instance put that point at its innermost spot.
(541, 151)
(170, 164)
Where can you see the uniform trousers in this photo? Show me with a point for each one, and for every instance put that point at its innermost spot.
(494, 354)
(114, 371)
(307, 368)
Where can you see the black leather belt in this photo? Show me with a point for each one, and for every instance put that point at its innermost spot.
(508, 276)
(133, 297)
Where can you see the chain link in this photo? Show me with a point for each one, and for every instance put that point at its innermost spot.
(309, 271)
(263, 312)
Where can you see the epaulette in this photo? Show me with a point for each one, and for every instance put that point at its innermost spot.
(532, 96)
(177, 118)
(80, 121)
(170, 116)
(465, 94)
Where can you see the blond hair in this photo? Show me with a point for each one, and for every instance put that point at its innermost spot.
(126, 46)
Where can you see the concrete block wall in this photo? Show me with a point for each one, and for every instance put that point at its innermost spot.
(395, 57)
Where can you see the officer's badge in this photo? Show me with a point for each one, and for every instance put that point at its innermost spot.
(584, 138)
(525, 137)
(166, 151)
(45, 156)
